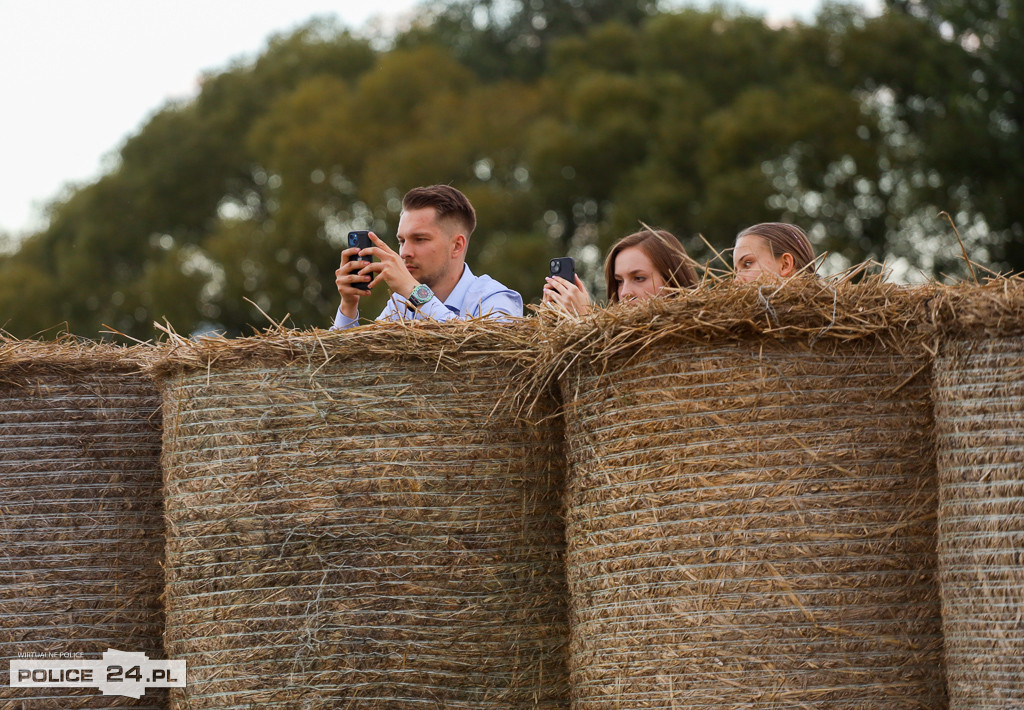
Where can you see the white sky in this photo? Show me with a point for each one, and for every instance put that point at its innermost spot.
(77, 77)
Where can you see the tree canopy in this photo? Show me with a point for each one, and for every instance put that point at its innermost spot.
(568, 125)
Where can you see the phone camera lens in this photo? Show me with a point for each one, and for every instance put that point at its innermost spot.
(556, 266)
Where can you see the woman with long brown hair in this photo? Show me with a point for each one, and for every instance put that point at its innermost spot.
(637, 267)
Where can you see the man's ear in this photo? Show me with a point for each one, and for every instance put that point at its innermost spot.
(786, 265)
(459, 244)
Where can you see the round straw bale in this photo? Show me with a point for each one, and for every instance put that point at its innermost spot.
(82, 524)
(979, 421)
(751, 503)
(993, 309)
(357, 520)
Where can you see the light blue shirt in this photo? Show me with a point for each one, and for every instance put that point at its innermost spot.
(472, 297)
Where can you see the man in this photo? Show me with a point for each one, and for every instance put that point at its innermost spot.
(428, 276)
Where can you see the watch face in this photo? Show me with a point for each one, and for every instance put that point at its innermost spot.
(422, 293)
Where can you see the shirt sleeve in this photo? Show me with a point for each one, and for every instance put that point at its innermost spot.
(343, 322)
(392, 311)
(433, 309)
(500, 305)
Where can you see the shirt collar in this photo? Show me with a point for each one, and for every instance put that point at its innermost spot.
(458, 295)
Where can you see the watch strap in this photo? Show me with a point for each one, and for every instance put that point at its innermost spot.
(419, 296)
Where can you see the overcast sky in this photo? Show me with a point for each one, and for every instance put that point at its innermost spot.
(79, 76)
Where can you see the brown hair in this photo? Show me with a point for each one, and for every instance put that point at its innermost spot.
(449, 203)
(666, 254)
(784, 238)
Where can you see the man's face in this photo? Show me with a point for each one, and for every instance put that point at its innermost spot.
(425, 246)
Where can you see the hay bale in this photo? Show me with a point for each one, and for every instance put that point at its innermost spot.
(979, 420)
(82, 526)
(751, 501)
(356, 520)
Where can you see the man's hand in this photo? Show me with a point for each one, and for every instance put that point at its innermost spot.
(391, 268)
(349, 273)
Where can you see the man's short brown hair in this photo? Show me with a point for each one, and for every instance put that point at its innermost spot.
(449, 203)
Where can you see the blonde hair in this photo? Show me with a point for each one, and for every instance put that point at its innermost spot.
(782, 239)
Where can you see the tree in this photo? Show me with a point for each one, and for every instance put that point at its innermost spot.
(501, 39)
(237, 203)
(970, 127)
(701, 123)
(109, 243)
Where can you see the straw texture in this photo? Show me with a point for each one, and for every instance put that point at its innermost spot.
(356, 520)
(82, 529)
(751, 501)
(979, 412)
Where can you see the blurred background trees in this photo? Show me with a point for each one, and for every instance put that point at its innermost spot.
(567, 124)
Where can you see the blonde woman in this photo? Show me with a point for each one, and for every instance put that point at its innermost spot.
(772, 249)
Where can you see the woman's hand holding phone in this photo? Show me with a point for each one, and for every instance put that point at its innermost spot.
(564, 287)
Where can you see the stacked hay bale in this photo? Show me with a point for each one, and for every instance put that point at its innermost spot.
(751, 500)
(360, 520)
(82, 526)
(979, 421)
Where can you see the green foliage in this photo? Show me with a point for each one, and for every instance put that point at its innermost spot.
(502, 39)
(189, 164)
(29, 295)
(518, 260)
(568, 125)
(964, 98)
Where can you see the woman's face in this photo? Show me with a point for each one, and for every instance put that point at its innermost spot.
(752, 257)
(635, 275)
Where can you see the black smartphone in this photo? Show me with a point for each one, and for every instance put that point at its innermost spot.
(565, 267)
(360, 238)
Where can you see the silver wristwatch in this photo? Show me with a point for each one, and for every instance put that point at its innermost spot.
(419, 296)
